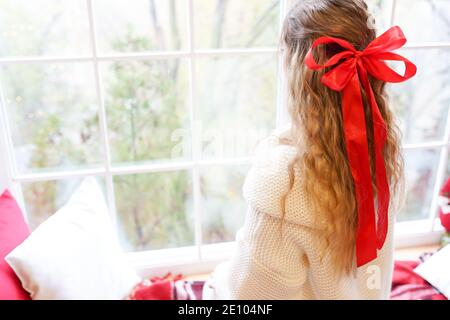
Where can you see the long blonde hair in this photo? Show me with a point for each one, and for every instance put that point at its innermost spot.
(317, 125)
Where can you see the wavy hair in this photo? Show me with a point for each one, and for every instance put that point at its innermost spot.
(317, 123)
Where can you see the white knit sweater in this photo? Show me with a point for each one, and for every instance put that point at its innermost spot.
(265, 266)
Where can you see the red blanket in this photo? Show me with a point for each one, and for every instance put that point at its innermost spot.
(407, 285)
(168, 287)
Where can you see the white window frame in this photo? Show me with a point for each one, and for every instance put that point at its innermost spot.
(198, 258)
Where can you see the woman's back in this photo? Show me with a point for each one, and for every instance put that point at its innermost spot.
(289, 263)
(322, 196)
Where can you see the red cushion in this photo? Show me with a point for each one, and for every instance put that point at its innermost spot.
(13, 230)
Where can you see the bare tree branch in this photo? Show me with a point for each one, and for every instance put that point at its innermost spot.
(219, 22)
(175, 33)
(159, 33)
(261, 24)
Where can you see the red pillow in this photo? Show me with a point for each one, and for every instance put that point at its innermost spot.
(13, 230)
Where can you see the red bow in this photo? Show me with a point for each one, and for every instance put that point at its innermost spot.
(349, 71)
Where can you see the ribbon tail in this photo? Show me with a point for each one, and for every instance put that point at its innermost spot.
(380, 136)
(358, 155)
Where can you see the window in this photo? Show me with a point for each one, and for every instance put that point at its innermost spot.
(164, 100)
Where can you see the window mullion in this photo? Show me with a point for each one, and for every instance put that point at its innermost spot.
(102, 115)
(427, 45)
(8, 158)
(281, 112)
(195, 134)
(130, 169)
(136, 56)
(425, 145)
(7, 136)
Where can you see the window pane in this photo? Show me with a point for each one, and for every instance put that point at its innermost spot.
(420, 173)
(141, 25)
(424, 20)
(53, 115)
(422, 102)
(381, 11)
(44, 198)
(147, 109)
(223, 206)
(236, 99)
(155, 210)
(43, 27)
(235, 23)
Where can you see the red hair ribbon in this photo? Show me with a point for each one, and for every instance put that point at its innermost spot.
(348, 71)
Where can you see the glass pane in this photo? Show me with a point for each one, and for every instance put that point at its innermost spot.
(236, 99)
(53, 115)
(147, 109)
(381, 12)
(235, 23)
(43, 27)
(424, 20)
(420, 173)
(141, 25)
(44, 198)
(422, 102)
(155, 210)
(223, 206)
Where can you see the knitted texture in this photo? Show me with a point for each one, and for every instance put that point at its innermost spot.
(273, 263)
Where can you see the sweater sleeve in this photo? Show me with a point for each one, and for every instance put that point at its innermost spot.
(268, 263)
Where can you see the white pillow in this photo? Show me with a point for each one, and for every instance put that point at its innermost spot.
(75, 254)
(436, 270)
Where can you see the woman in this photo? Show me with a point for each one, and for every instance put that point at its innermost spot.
(322, 195)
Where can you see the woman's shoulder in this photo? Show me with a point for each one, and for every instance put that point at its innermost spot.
(269, 179)
(274, 151)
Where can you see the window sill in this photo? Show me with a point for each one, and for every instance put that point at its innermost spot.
(412, 236)
(417, 233)
(186, 260)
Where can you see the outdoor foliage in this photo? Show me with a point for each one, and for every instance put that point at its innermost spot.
(53, 107)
